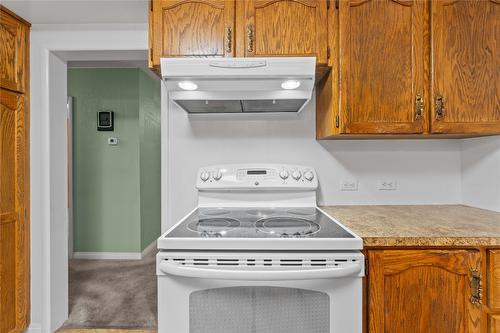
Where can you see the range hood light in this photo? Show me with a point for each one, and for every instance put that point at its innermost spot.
(290, 84)
(188, 85)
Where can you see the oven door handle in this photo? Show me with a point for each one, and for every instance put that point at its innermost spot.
(253, 274)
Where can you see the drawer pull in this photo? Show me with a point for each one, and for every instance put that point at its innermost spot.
(419, 107)
(476, 287)
(229, 40)
(250, 38)
(440, 107)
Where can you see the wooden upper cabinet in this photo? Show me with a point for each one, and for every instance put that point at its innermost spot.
(186, 28)
(13, 51)
(415, 291)
(465, 42)
(268, 28)
(382, 74)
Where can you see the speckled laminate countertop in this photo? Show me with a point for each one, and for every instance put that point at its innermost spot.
(420, 225)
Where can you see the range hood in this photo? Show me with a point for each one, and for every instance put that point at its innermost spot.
(239, 85)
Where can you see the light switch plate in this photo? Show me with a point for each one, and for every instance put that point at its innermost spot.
(113, 141)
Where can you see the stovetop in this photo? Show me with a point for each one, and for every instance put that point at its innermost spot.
(244, 228)
(250, 228)
(308, 222)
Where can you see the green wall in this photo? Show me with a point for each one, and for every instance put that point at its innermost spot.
(107, 180)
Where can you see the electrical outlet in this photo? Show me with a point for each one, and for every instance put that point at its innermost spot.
(387, 185)
(349, 185)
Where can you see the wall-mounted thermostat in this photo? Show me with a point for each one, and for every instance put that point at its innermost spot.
(105, 121)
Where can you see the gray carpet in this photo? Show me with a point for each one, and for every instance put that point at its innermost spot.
(112, 293)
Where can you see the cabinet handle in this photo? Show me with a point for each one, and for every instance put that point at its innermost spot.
(250, 37)
(229, 40)
(419, 107)
(439, 107)
(476, 287)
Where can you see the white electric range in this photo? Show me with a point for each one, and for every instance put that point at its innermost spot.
(258, 256)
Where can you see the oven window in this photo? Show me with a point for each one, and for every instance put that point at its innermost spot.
(259, 309)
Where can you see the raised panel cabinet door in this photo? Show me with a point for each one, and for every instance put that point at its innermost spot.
(465, 40)
(187, 28)
(268, 28)
(422, 291)
(493, 280)
(494, 323)
(382, 49)
(13, 51)
(14, 242)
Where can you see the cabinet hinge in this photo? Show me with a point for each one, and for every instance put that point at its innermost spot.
(151, 54)
(337, 121)
(327, 4)
(151, 5)
(337, 4)
(367, 267)
(328, 52)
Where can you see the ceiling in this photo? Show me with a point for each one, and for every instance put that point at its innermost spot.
(80, 12)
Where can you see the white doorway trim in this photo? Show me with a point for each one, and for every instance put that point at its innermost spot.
(69, 131)
(48, 154)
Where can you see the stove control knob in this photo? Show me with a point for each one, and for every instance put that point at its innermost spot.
(204, 176)
(284, 174)
(309, 175)
(296, 174)
(217, 175)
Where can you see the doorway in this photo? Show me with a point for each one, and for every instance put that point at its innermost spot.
(114, 192)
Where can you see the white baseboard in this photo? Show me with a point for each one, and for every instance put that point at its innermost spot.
(108, 255)
(115, 255)
(34, 328)
(149, 248)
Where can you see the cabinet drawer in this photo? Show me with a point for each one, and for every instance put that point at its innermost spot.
(493, 281)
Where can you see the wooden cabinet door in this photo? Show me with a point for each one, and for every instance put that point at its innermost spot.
(422, 291)
(268, 28)
(493, 290)
(382, 49)
(13, 51)
(493, 280)
(186, 28)
(465, 41)
(14, 240)
(494, 323)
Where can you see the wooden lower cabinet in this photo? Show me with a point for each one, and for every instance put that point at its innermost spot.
(423, 291)
(493, 280)
(494, 323)
(493, 290)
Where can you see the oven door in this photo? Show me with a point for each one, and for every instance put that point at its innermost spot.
(263, 294)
